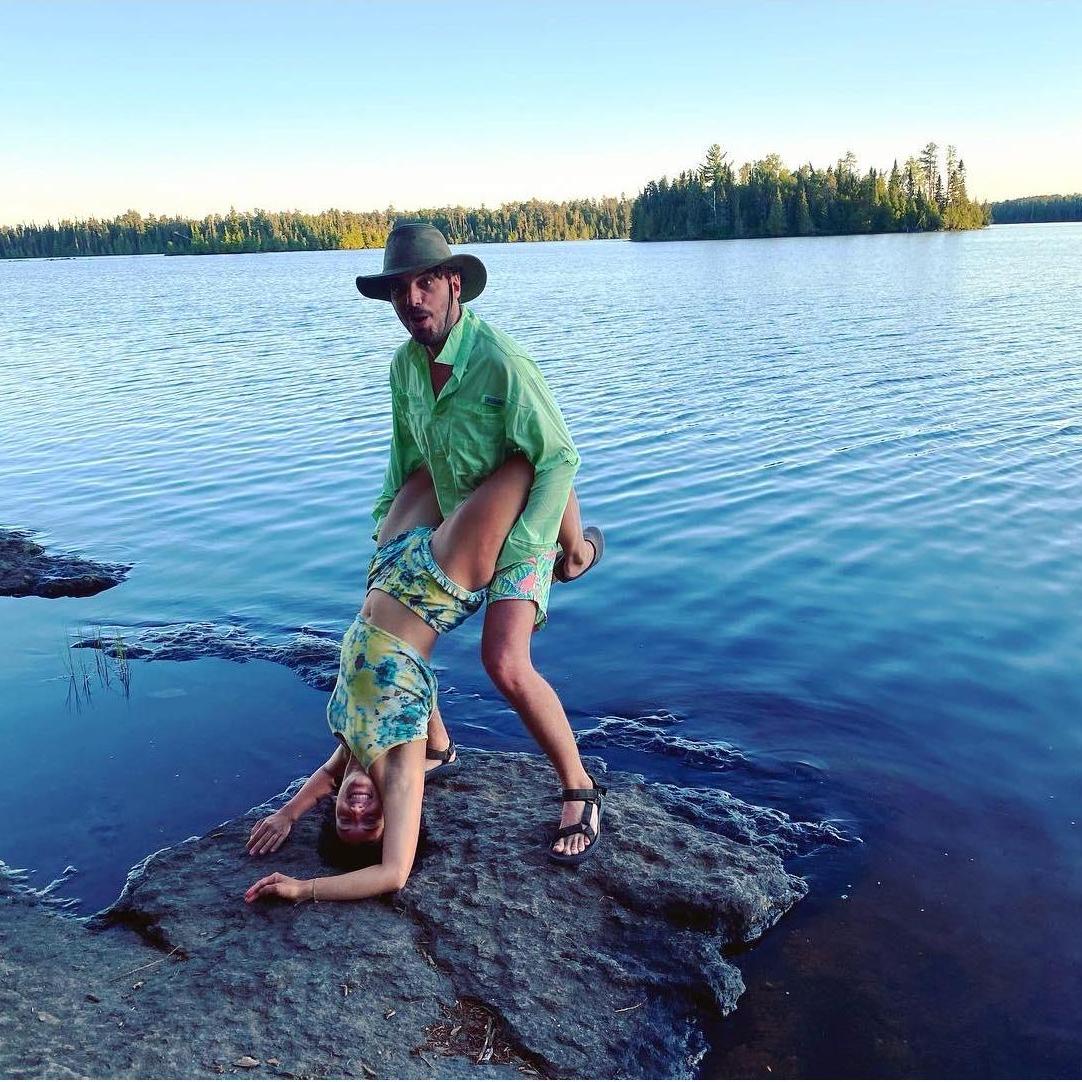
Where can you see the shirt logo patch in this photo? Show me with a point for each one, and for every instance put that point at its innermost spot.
(492, 400)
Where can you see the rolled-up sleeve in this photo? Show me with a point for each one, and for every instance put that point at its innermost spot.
(536, 427)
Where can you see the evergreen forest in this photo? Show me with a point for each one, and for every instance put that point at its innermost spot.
(767, 199)
(292, 231)
(1038, 208)
(713, 200)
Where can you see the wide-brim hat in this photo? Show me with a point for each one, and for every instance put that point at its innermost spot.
(413, 247)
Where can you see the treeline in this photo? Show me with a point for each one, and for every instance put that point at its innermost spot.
(1038, 208)
(766, 199)
(292, 231)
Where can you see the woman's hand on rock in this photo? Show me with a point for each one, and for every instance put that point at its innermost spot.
(269, 833)
(277, 885)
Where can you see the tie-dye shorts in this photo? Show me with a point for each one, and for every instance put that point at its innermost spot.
(384, 695)
(405, 568)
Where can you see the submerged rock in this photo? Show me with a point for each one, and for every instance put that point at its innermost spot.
(491, 962)
(27, 570)
(311, 655)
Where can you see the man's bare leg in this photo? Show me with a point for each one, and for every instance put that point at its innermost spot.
(578, 552)
(505, 651)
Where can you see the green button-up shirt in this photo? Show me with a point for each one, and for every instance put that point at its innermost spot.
(495, 402)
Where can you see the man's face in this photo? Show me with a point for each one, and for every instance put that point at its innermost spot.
(427, 303)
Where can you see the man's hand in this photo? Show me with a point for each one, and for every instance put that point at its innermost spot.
(268, 834)
(277, 885)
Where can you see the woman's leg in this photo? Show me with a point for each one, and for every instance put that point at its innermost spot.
(439, 739)
(415, 504)
(469, 541)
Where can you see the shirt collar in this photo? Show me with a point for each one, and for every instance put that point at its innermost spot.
(457, 349)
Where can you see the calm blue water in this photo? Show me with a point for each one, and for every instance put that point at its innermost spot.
(840, 483)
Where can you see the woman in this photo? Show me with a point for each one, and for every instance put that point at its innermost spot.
(422, 583)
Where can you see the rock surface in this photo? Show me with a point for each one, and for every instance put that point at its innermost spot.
(313, 656)
(27, 570)
(490, 953)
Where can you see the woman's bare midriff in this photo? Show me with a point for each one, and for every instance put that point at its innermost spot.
(383, 611)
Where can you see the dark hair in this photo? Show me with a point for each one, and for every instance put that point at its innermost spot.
(443, 271)
(349, 857)
(344, 855)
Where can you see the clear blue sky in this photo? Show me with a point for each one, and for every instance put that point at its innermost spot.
(192, 107)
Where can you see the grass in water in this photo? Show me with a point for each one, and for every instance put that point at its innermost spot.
(122, 664)
(79, 686)
(112, 666)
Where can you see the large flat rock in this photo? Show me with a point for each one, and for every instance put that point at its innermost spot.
(491, 953)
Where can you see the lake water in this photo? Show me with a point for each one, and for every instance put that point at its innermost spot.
(840, 484)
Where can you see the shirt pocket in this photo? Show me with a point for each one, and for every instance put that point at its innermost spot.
(480, 444)
(419, 422)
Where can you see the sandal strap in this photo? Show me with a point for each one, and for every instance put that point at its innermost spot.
(591, 796)
(443, 756)
(576, 828)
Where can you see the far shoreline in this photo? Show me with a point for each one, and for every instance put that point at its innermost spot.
(516, 243)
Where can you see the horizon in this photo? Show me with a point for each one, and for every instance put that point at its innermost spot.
(188, 109)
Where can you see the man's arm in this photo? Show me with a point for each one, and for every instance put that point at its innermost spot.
(269, 833)
(536, 427)
(404, 458)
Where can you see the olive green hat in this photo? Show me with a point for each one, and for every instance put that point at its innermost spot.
(413, 247)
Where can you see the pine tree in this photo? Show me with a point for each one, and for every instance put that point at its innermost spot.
(803, 222)
(775, 218)
(929, 164)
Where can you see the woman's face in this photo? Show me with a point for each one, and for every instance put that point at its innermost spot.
(358, 811)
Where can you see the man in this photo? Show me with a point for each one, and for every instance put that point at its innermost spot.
(464, 397)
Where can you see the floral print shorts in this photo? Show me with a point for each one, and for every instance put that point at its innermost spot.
(529, 580)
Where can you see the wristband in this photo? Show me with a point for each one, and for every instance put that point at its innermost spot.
(314, 898)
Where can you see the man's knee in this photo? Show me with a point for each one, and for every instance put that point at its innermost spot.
(509, 669)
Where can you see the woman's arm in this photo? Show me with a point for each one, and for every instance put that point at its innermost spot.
(404, 781)
(269, 833)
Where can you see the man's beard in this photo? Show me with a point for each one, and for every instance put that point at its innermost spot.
(434, 330)
(428, 333)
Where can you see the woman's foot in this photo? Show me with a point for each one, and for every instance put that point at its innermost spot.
(574, 563)
(441, 762)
